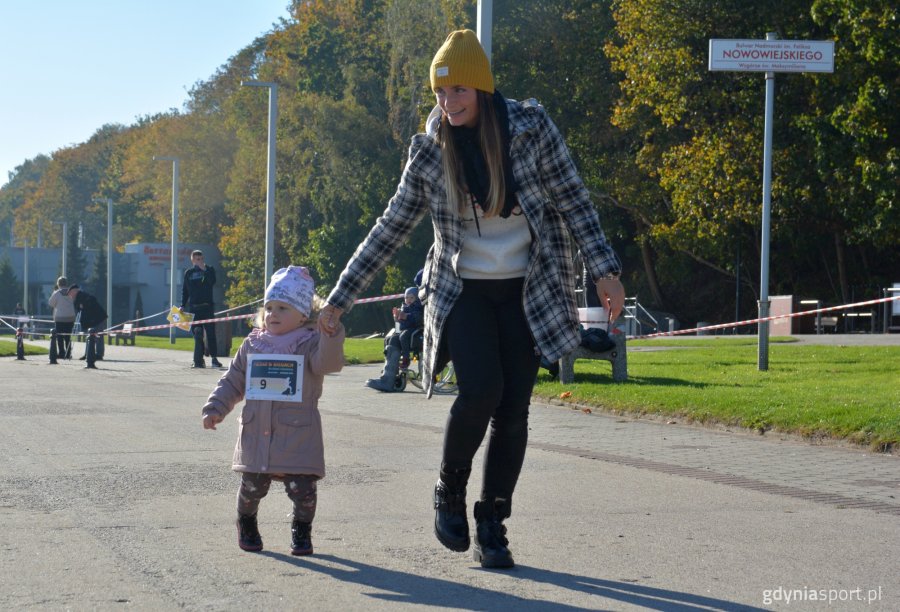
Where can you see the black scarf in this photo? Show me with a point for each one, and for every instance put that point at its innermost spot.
(475, 167)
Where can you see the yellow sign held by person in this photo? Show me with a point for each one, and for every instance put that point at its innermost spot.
(180, 318)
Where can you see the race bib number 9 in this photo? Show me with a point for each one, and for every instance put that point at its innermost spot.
(276, 378)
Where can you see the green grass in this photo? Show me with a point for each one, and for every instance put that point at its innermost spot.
(841, 392)
(8, 348)
(182, 343)
(847, 393)
(356, 350)
(364, 350)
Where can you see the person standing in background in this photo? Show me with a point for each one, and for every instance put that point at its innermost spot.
(197, 298)
(63, 317)
(92, 317)
(21, 318)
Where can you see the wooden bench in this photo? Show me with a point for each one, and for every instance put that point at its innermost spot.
(617, 356)
(126, 334)
(829, 322)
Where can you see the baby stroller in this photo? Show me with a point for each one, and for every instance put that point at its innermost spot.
(394, 377)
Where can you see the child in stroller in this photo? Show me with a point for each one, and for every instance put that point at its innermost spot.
(406, 337)
(403, 342)
(409, 318)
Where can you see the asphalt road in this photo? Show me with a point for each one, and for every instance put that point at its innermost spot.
(113, 497)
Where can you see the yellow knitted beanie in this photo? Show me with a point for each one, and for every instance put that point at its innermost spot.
(462, 61)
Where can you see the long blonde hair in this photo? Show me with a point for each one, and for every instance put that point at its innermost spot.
(491, 142)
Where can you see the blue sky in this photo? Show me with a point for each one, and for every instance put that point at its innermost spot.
(67, 67)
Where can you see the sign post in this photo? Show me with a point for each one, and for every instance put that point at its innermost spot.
(769, 56)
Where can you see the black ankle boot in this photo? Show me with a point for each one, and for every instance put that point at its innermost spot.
(248, 533)
(301, 540)
(451, 526)
(490, 539)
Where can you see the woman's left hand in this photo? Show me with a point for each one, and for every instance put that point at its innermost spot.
(612, 296)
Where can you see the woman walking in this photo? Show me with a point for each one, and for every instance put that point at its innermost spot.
(498, 285)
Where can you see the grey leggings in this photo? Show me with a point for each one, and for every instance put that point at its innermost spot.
(301, 488)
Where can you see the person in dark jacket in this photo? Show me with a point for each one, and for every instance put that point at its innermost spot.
(92, 317)
(410, 317)
(197, 298)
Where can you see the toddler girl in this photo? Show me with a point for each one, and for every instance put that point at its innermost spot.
(279, 369)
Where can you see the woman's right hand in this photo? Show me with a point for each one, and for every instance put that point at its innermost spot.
(329, 319)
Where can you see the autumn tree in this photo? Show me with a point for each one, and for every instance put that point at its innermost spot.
(22, 185)
(98, 276)
(699, 138)
(340, 152)
(10, 287)
(76, 263)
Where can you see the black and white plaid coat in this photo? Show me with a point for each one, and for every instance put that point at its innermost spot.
(553, 200)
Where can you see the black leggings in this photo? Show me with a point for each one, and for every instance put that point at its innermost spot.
(64, 338)
(494, 357)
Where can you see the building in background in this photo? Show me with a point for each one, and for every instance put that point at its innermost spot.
(140, 278)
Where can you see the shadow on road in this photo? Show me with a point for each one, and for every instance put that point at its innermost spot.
(403, 587)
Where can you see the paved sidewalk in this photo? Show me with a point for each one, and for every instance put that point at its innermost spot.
(112, 496)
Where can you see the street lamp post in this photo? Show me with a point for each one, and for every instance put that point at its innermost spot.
(109, 247)
(889, 307)
(270, 176)
(484, 25)
(762, 359)
(173, 279)
(25, 284)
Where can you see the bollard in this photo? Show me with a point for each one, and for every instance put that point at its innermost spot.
(20, 344)
(91, 355)
(53, 352)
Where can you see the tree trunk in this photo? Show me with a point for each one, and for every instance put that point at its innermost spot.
(650, 271)
(840, 253)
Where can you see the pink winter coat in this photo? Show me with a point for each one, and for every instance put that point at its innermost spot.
(280, 437)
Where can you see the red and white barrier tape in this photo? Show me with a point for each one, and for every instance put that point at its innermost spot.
(380, 298)
(678, 332)
(772, 318)
(167, 325)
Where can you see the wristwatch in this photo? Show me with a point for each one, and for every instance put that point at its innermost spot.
(610, 276)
